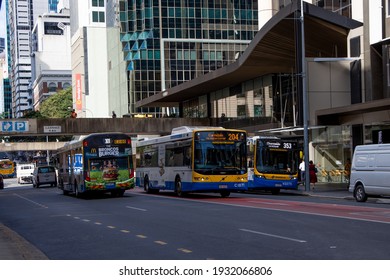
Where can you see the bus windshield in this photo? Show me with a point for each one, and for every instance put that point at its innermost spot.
(220, 157)
(277, 161)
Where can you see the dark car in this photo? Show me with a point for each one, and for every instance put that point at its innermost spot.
(1, 182)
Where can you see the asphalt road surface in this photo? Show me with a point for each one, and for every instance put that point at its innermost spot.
(140, 226)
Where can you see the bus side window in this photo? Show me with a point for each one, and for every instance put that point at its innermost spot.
(187, 156)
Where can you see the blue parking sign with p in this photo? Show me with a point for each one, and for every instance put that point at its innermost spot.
(20, 126)
(14, 126)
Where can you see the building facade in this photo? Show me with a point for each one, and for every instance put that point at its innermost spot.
(96, 59)
(167, 43)
(21, 18)
(263, 91)
(50, 56)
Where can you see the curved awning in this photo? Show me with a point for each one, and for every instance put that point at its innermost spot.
(273, 50)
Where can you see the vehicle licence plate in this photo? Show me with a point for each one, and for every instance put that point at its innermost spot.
(223, 186)
(110, 185)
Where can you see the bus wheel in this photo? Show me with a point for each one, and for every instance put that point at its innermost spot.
(76, 190)
(225, 193)
(360, 194)
(178, 189)
(275, 191)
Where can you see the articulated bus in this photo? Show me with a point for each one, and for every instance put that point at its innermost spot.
(194, 159)
(7, 168)
(273, 164)
(100, 162)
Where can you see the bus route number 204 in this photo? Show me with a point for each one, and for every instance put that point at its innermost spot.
(233, 136)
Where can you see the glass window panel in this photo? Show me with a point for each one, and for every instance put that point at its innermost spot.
(193, 55)
(95, 17)
(172, 12)
(101, 17)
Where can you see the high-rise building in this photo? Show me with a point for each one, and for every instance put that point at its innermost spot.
(21, 18)
(2, 45)
(50, 56)
(95, 52)
(53, 5)
(167, 43)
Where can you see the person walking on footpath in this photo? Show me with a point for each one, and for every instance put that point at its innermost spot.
(302, 171)
(312, 173)
(347, 171)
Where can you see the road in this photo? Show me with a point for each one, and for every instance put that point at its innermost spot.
(198, 227)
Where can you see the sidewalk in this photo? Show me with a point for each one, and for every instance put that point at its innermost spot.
(15, 247)
(330, 190)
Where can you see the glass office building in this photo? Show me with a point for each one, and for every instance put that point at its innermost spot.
(167, 42)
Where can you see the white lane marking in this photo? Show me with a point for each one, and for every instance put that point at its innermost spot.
(33, 202)
(273, 235)
(135, 208)
(270, 203)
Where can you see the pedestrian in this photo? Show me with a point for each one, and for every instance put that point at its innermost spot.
(347, 171)
(113, 115)
(302, 171)
(312, 173)
(73, 115)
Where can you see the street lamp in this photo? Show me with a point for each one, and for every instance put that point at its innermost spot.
(305, 104)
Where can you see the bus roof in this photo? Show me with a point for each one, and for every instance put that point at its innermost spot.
(184, 129)
(180, 133)
(78, 140)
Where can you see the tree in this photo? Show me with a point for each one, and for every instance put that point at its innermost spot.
(57, 105)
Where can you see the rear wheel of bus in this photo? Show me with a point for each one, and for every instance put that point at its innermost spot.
(225, 193)
(178, 187)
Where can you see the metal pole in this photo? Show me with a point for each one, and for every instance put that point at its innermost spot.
(305, 104)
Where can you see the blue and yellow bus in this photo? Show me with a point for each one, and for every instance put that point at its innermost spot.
(273, 164)
(100, 162)
(7, 168)
(194, 159)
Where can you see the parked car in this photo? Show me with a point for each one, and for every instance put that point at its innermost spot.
(44, 175)
(23, 173)
(1, 182)
(370, 171)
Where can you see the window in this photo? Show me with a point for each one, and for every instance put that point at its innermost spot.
(97, 3)
(98, 16)
(52, 87)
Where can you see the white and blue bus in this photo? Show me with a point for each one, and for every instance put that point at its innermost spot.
(194, 159)
(273, 164)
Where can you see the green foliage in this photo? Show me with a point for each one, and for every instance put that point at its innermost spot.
(57, 105)
(32, 115)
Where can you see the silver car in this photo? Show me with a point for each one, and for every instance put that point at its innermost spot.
(44, 175)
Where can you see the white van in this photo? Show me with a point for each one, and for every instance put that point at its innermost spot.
(23, 173)
(370, 171)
